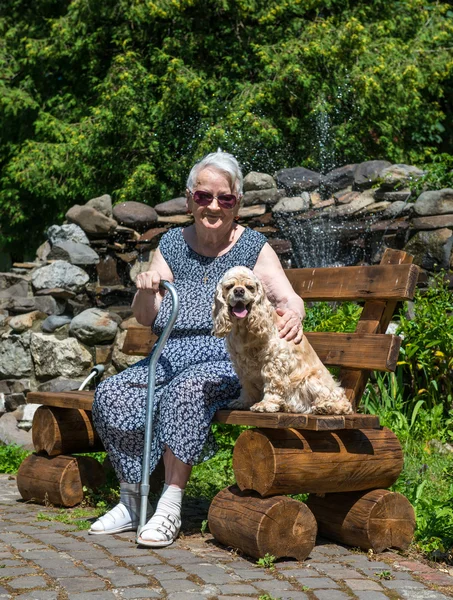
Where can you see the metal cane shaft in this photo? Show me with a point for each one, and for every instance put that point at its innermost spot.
(157, 351)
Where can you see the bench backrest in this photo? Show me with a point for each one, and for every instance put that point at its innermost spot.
(380, 287)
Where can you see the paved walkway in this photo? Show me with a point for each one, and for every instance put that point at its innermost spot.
(48, 560)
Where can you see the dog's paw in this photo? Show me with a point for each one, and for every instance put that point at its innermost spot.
(267, 407)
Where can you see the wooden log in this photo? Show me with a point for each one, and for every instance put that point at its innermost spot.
(79, 399)
(64, 431)
(279, 525)
(377, 519)
(58, 480)
(289, 461)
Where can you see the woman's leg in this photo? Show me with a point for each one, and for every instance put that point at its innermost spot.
(177, 473)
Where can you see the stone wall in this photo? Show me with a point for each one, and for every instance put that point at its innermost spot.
(69, 309)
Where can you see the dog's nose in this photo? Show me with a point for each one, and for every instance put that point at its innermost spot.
(239, 291)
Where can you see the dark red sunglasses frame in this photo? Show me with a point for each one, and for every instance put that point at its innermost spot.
(205, 198)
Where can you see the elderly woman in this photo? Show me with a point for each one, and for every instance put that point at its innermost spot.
(195, 377)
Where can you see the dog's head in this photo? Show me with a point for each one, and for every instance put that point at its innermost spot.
(239, 297)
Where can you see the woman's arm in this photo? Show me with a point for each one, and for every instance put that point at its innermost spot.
(278, 289)
(148, 298)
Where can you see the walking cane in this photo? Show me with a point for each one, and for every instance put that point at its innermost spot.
(156, 352)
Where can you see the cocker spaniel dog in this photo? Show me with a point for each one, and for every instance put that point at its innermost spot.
(276, 375)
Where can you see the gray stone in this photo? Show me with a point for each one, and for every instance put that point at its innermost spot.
(66, 233)
(136, 215)
(27, 582)
(43, 251)
(270, 196)
(94, 326)
(54, 322)
(374, 208)
(295, 204)
(258, 181)
(74, 253)
(435, 222)
(399, 175)
(135, 593)
(297, 180)
(103, 204)
(425, 594)
(21, 323)
(437, 202)
(14, 401)
(15, 360)
(338, 179)
(38, 595)
(81, 584)
(60, 274)
(331, 595)
(239, 588)
(318, 583)
(357, 204)
(93, 596)
(368, 172)
(431, 249)
(9, 279)
(398, 209)
(92, 221)
(53, 357)
(45, 304)
(401, 584)
(370, 595)
(391, 196)
(247, 212)
(20, 288)
(175, 206)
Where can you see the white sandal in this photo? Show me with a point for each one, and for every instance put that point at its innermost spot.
(165, 527)
(116, 520)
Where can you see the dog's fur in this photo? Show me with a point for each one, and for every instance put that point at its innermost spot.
(276, 375)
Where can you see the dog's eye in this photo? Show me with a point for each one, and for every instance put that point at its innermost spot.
(250, 287)
(229, 286)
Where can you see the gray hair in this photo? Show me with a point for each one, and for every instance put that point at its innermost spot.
(223, 162)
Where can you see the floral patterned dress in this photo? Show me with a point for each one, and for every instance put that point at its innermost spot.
(194, 376)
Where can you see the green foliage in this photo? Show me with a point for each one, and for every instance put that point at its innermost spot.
(121, 97)
(11, 458)
(267, 561)
(76, 517)
(327, 316)
(268, 597)
(438, 174)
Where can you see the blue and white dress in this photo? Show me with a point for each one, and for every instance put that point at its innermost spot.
(195, 377)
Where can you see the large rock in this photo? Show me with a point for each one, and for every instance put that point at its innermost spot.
(74, 253)
(60, 384)
(435, 222)
(176, 206)
(120, 360)
(53, 357)
(43, 251)
(297, 180)
(368, 172)
(54, 322)
(60, 274)
(296, 204)
(15, 359)
(21, 323)
(103, 204)
(45, 304)
(392, 196)
(10, 434)
(17, 289)
(247, 212)
(258, 181)
(67, 233)
(398, 176)
(431, 249)
(92, 221)
(94, 326)
(9, 279)
(338, 179)
(136, 215)
(269, 196)
(354, 206)
(398, 209)
(437, 202)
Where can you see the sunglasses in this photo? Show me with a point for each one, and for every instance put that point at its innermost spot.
(205, 198)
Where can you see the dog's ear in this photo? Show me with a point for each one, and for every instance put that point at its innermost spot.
(260, 318)
(220, 314)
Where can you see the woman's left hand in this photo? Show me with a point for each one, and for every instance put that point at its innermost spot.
(290, 325)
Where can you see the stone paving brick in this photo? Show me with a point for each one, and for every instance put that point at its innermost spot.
(209, 573)
(332, 550)
(16, 571)
(180, 585)
(293, 596)
(4, 593)
(186, 596)
(422, 595)
(237, 588)
(88, 552)
(66, 571)
(121, 576)
(167, 576)
(318, 583)
(373, 572)
(300, 572)
(438, 578)
(81, 584)
(252, 574)
(40, 554)
(135, 593)
(274, 587)
(98, 563)
(402, 585)
(27, 582)
(93, 596)
(370, 595)
(331, 595)
(360, 561)
(10, 562)
(38, 595)
(337, 571)
(363, 584)
(147, 559)
(179, 556)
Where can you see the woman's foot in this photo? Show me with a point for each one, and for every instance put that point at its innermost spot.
(115, 521)
(163, 528)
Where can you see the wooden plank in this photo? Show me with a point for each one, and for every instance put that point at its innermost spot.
(295, 421)
(82, 400)
(384, 281)
(361, 351)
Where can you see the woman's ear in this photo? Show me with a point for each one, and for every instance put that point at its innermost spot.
(220, 314)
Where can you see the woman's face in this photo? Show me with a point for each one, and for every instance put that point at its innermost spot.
(213, 217)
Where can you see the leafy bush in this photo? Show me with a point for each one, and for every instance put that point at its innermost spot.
(11, 458)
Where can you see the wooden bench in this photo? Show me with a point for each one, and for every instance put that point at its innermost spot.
(344, 462)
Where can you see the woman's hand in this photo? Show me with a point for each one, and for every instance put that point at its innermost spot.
(290, 325)
(148, 281)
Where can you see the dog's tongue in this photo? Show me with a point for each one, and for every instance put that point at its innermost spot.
(240, 310)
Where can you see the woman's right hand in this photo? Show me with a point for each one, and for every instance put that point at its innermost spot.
(148, 281)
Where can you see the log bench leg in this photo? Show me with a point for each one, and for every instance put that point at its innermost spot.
(279, 525)
(58, 480)
(376, 520)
